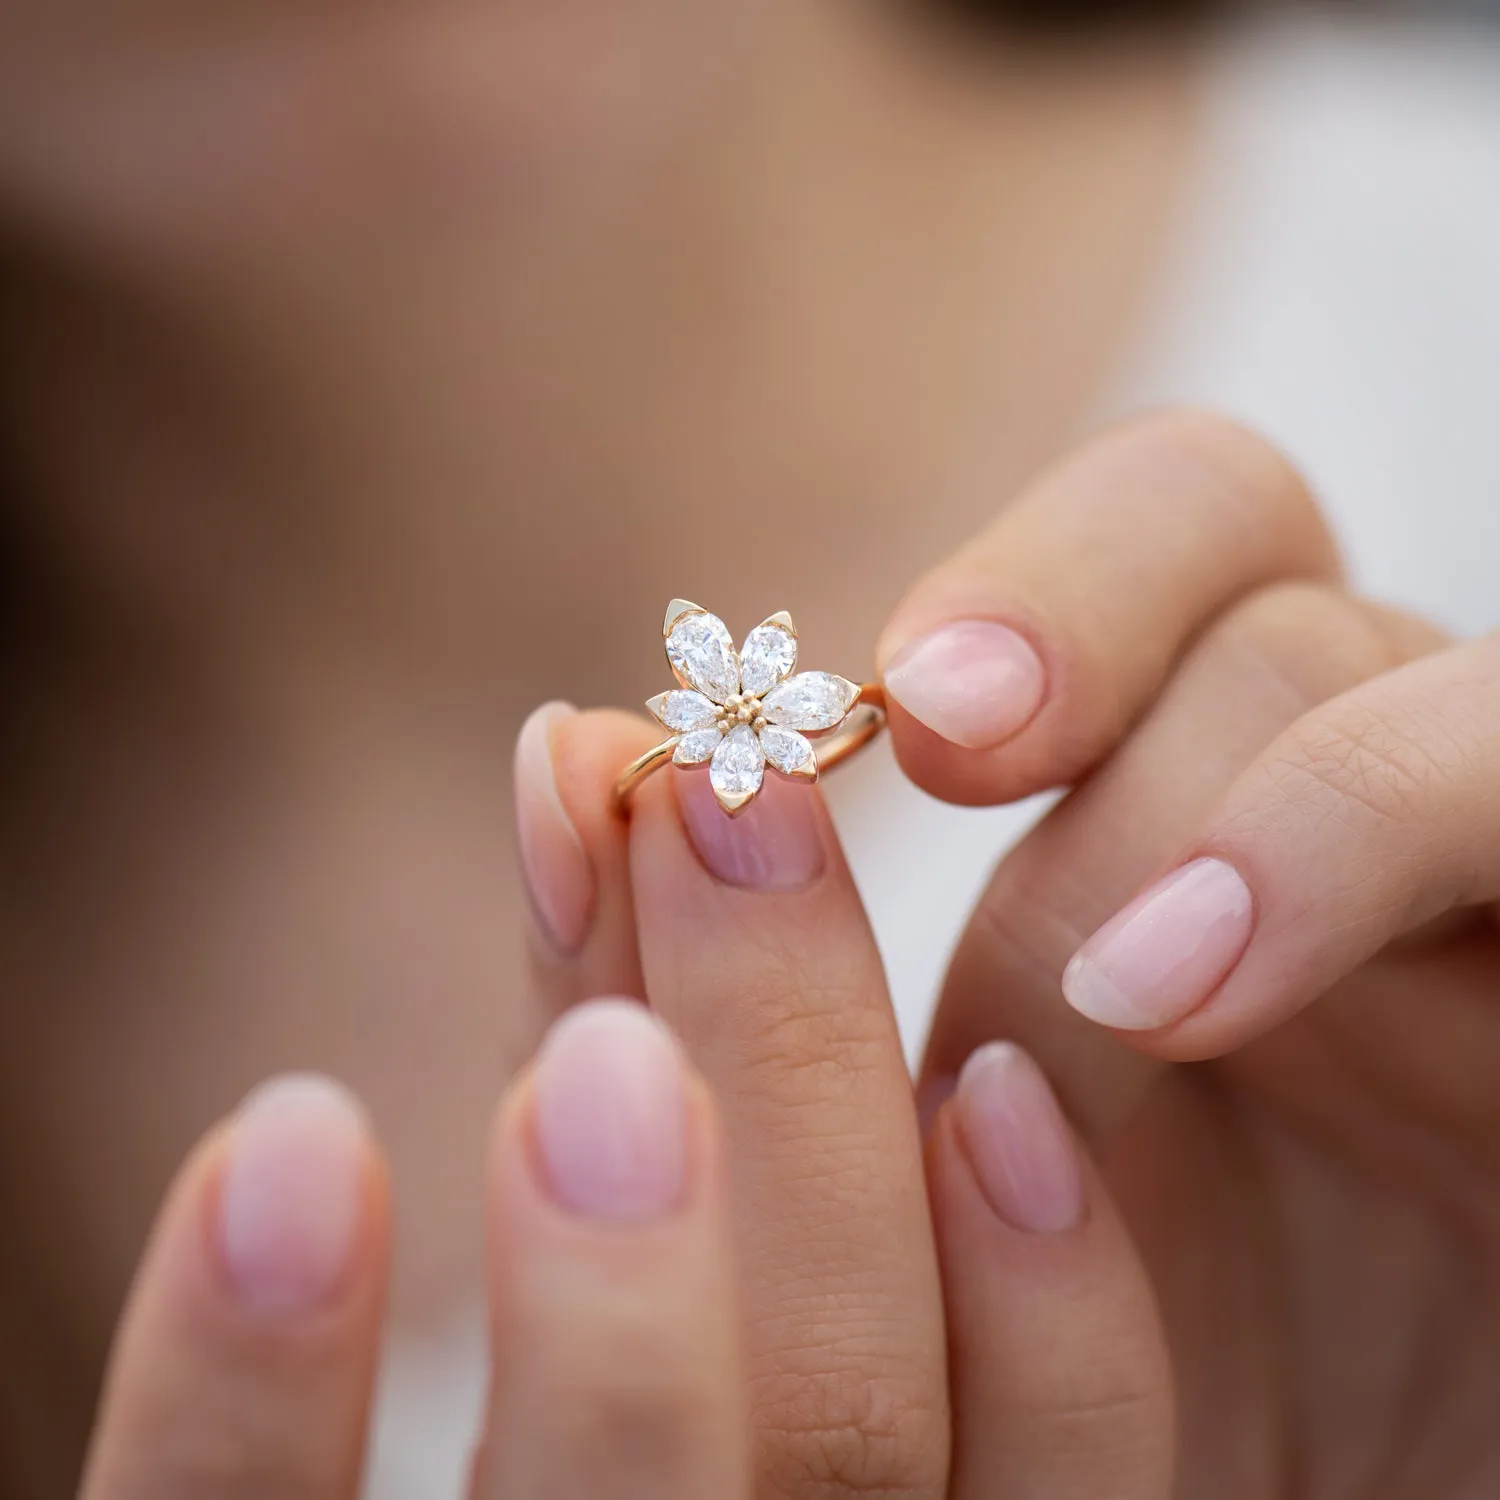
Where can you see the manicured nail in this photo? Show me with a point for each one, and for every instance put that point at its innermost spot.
(975, 682)
(774, 845)
(1018, 1140)
(289, 1200)
(1167, 952)
(558, 874)
(610, 1113)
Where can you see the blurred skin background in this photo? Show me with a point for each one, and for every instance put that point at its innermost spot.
(374, 373)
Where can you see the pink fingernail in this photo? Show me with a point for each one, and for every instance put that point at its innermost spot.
(774, 845)
(1167, 952)
(1018, 1140)
(974, 682)
(610, 1113)
(558, 874)
(289, 1201)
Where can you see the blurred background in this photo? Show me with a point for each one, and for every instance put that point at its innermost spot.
(372, 373)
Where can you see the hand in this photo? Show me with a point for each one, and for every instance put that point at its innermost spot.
(749, 939)
(245, 1363)
(1272, 886)
(679, 1309)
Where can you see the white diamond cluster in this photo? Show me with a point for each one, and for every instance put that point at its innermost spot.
(741, 711)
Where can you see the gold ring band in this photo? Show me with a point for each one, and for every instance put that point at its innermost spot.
(865, 721)
(741, 712)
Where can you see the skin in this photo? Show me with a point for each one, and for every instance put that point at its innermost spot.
(787, 1014)
(1308, 1159)
(213, 782)
(1296, 1294)
(738, 1340)
(365, 322)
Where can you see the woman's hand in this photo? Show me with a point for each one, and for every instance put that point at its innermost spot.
(1271, 893)
(749, 939)
(246, 1360)
(679, 1309)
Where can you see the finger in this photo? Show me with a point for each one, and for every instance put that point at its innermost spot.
(1061, 1380)
(1255, 672)
(1370, 817)
(574, 861)
(1019, 663)
(244, 1364)
(756, 950)
(613, 1301)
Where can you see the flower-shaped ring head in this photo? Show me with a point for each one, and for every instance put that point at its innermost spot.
(738, 712)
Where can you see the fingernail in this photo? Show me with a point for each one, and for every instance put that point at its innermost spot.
(774, 845)
(1018, 1141)
(974, 682)
(1167, 952)
(934, 1093)
(558, 874)
(289, 1200)
(610, 1113)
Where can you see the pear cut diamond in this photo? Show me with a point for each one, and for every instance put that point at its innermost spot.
(770, 652)
(702, 654)
(682, 710)
(787, 751)
(811, 701)
(697, 746)
(738, 767)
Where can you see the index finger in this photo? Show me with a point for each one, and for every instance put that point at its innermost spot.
(755, 948)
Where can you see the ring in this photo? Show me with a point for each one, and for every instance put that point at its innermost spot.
(738, 712)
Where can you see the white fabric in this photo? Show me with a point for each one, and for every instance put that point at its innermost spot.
(1337, 285)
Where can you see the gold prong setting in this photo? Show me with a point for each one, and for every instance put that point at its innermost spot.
(739, 711)
(740, 708)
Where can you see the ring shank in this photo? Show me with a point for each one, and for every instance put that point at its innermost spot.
(863, 723)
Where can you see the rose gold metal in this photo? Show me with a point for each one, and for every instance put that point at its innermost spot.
(863, 722)
(860, 722)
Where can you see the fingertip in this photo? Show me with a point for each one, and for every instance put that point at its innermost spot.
(970, 778)
(590, 749)
(252, 1331)
(574, 853)
(610, 1126)
(972, 707)
(607, 1211)
(280, 1213)
(299, 1188)
(1053, 1333)
(609, 1119)
(974, 683)
(559, 874)
(1015, 665)
(1165, 954)
(1018, 1142)
(610, 1268)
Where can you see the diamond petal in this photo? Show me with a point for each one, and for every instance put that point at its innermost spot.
(769, 654)
(786, 751)
(702, 656)
(810, 701)
(738, 768)
(681, 709)
(696, 747)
